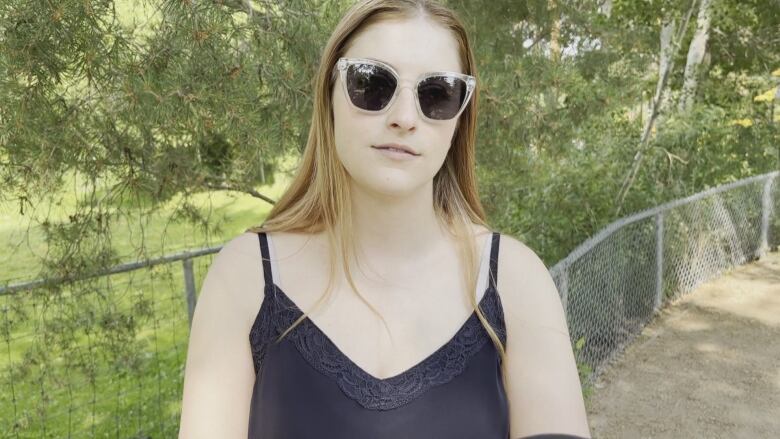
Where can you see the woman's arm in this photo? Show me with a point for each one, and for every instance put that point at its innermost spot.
(219, 374)
(544, 389)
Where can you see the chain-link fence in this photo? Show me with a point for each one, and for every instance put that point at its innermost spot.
(98, 357)
(614, 283)
(112, 365)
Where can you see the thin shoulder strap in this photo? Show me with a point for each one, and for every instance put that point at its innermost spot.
(267, 274)
(493, 278)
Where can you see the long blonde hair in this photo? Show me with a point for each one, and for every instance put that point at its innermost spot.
(318, 199)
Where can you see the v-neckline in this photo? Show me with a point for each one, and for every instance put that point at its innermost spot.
(401, 375)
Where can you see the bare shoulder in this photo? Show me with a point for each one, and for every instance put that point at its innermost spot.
(544, 386)
(513, 252)
(239, 260)
(527, 290)
(238, 267)
(219, 369)
(244, 245)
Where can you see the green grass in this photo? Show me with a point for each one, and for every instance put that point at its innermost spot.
(126, 402)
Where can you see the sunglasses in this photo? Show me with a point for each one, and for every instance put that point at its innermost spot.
(372, 86)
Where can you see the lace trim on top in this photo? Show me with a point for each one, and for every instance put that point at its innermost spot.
(278, 312)
(371, 392)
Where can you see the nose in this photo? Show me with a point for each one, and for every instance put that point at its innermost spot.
(403, 112)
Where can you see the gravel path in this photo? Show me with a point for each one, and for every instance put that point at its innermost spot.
(708, 366)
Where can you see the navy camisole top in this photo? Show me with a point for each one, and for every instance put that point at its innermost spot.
(305, 387)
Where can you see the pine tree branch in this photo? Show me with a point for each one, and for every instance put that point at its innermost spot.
(228, 187)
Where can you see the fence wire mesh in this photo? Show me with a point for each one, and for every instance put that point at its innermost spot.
(613, 284)
(102, 357)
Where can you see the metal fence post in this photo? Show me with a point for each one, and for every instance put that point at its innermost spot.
(766, 210)
(189, 287)
(659, 259)
(565, 290)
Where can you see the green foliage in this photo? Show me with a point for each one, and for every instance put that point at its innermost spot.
(558, 134)
(583, 369)
(153, 103)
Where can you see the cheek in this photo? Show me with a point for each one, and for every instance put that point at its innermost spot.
(343, 115)
(351, 142)
(444, 140)
(344, 127)
(439, 155)
(353, 137)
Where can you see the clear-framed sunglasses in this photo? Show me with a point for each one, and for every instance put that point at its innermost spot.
(371, 86)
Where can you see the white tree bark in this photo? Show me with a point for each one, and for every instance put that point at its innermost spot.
(606, 8)
(696, 52)
(662, 92)
(671, 37)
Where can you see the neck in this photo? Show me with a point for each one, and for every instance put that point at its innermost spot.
(394, 232)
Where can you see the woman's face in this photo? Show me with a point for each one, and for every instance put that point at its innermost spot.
(411, 47)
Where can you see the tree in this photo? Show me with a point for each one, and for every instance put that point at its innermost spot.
(696, 52)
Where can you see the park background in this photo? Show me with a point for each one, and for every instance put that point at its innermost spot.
(131, 130)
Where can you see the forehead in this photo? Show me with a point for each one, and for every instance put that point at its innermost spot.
(412, 46)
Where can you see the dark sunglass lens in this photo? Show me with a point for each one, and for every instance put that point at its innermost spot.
(441, 97)
(370, 87)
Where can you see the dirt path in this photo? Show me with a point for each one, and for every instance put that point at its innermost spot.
(707, 367)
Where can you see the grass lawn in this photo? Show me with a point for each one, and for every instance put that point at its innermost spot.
(87, 382)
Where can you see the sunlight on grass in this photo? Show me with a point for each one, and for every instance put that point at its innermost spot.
(138, 16)
(134, 235)
(146, 403)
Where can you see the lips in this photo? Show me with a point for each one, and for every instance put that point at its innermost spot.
(397, 146)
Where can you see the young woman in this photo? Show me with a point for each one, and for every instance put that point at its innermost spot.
(368, 304)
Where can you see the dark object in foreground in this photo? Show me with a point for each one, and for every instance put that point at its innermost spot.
(553, 436)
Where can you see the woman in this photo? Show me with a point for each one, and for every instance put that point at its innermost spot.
(384, 216)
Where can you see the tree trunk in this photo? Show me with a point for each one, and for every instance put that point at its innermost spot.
(696, 53)
(551, 94)
(555, 31)
(662, 92)
(606, 8)
(666, 59)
